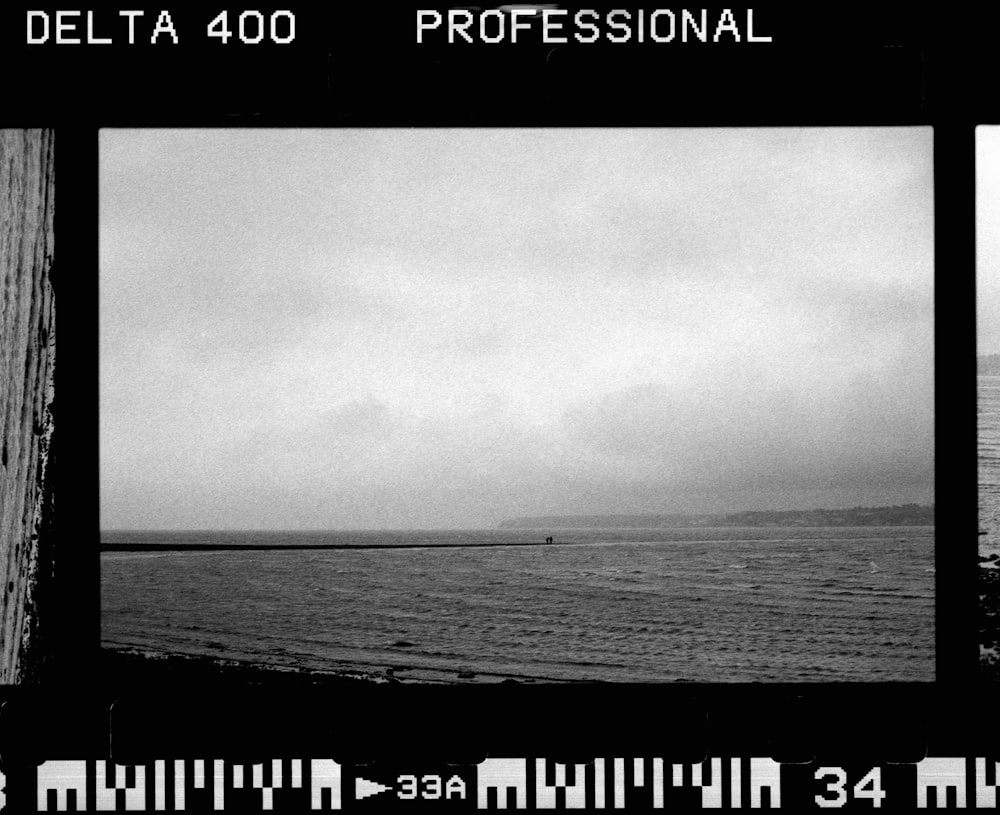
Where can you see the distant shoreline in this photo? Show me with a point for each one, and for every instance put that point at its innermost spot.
(898, 515)
(232, 547)
(153, 548)
(988, 365)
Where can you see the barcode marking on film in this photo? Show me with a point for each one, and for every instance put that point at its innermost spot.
(736, 784)
(986, 782)
(614, 783)
(179, 785)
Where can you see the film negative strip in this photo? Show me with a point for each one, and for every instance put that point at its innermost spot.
(514, 65)
(523, 783)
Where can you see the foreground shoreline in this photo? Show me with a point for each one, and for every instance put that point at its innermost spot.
(126, 666)
(989, 617)
(133, 668)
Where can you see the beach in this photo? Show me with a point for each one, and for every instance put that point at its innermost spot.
(129, 667)
(989, 616)
(133, 667)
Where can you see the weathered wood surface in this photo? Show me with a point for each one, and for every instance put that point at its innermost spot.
(27, 368)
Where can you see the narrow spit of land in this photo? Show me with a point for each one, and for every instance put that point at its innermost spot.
(233, 547)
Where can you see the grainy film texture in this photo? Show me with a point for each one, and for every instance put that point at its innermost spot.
(27, 366)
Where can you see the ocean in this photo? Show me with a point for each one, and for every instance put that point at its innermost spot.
(988, 414)
(633, 605)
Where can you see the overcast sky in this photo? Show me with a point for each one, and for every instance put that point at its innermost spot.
(447, 328)
(988, 239)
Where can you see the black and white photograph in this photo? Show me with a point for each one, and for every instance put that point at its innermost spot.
(524, 405)
(499, 408)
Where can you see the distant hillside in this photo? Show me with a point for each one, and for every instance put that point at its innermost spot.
(988, 365)
(905, 515)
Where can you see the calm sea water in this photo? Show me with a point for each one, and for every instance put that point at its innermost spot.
(989, 463)
(706, 605)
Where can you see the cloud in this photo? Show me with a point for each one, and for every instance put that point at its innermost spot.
(448, 327)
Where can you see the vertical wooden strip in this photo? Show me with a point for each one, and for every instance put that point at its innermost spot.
(27, 370)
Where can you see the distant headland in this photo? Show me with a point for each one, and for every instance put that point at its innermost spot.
(902, 515)
(988, 365)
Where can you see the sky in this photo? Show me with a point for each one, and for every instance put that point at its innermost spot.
(988, 239)
(410, 328)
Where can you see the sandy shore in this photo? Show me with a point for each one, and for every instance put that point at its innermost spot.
(989, 616)
(132, 667)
